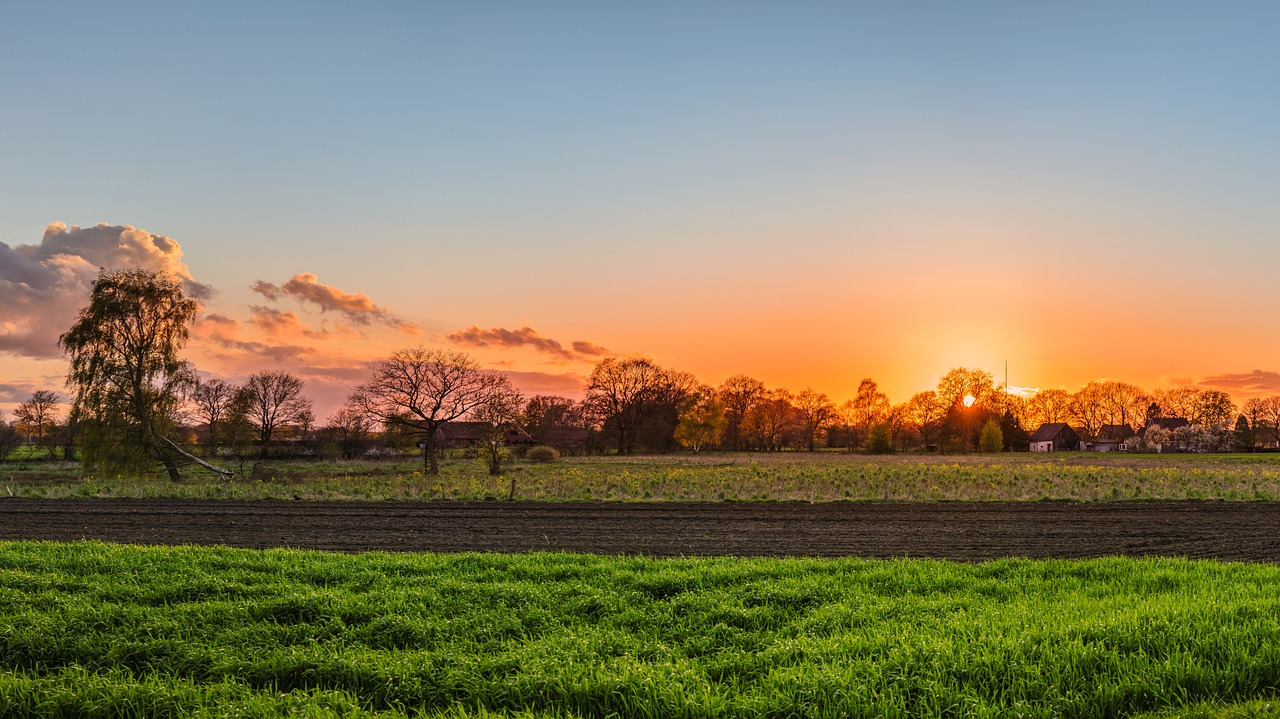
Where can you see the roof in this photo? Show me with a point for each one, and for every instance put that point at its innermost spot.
(1049, 431)
(1115, 432)
(476, 431)
(1168, 422)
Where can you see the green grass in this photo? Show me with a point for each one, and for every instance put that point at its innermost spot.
(709, 477)
(92, 629)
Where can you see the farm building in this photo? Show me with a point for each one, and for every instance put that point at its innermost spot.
(1054, 437)
(472, 434)
(1112, 438)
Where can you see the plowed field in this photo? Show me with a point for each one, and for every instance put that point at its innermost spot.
(959, 531)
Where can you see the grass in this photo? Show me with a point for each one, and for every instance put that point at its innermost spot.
(708, 477)
(106, 630)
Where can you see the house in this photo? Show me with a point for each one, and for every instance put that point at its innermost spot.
(1112, 437)
(473, 434)
(1054, 437)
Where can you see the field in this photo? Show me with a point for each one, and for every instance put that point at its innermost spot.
(108, 630)
(706, 478)
(961, 531)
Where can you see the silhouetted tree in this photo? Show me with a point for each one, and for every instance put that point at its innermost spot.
(421, 389)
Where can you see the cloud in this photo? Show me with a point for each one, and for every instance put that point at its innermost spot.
(43, 286)
(279, 325)
(1255, 382)
(355, 306)
(474, 336)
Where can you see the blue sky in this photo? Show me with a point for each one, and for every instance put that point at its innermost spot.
(699, 181)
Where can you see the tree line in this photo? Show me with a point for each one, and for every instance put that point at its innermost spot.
(136, 405)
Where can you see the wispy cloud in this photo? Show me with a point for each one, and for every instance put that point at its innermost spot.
(1255, 382)
(474, 336)
(356, 307)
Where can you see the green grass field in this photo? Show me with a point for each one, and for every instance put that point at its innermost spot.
(709, 477)
(108, 631)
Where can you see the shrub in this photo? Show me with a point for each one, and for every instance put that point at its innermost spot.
(879, 440)
(542, 453)
(991, 439)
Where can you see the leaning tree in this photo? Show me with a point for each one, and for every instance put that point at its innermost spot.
(125, 374)
(421, 389)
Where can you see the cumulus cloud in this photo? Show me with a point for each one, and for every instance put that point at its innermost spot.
(43, 286)
(355, 306)
(474, 336)
(1255, 382)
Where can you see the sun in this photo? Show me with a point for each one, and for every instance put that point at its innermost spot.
(969, 400)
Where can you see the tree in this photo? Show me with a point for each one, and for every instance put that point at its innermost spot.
(37, 418)
(420, 389)
(992, 439)
(10, 438)
(347, 430)
(273, 400)
(737, 394)
(1049, 406)
(1213, 408)
(1123, 403)
(1254, 411)
(1244, 434)
(1087, 410)
(210, 401)
(551, 420)
(500, 412)
(770, 422)
(879, 440)
(869, 407)
(815, 410)
(1270, 416)
(925, 412)
(1177, 402)
(126, 375)
(634, 396)
(702, 419)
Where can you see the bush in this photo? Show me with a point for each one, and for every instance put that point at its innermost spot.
(879, 441)
(992, 439)
(542, 453)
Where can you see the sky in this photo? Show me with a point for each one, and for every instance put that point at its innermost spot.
(808, 193)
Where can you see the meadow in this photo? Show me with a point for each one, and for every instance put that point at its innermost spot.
(98, 630)
(824, 476)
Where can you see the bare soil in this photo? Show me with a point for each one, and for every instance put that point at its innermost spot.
(959, 531)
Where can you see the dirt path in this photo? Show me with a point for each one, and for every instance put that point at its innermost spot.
(961, 531)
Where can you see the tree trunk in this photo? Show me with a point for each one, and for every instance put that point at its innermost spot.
(511, 494)
(429, 463)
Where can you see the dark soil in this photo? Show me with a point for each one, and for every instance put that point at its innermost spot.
(961, 531)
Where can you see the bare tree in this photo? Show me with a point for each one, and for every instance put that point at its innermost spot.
(627, 394)
(37, 417)
(1271, 416)
(273, 400)
(210, 402)
(737, 394)
(816, 410)
(1049, 406)
(421, 389)
(869, 407)
(10, 438)
(771, 420)
(347, 429)
(500, 413)
(926, 413)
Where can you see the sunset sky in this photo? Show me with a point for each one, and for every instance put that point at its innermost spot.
(808, 193)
